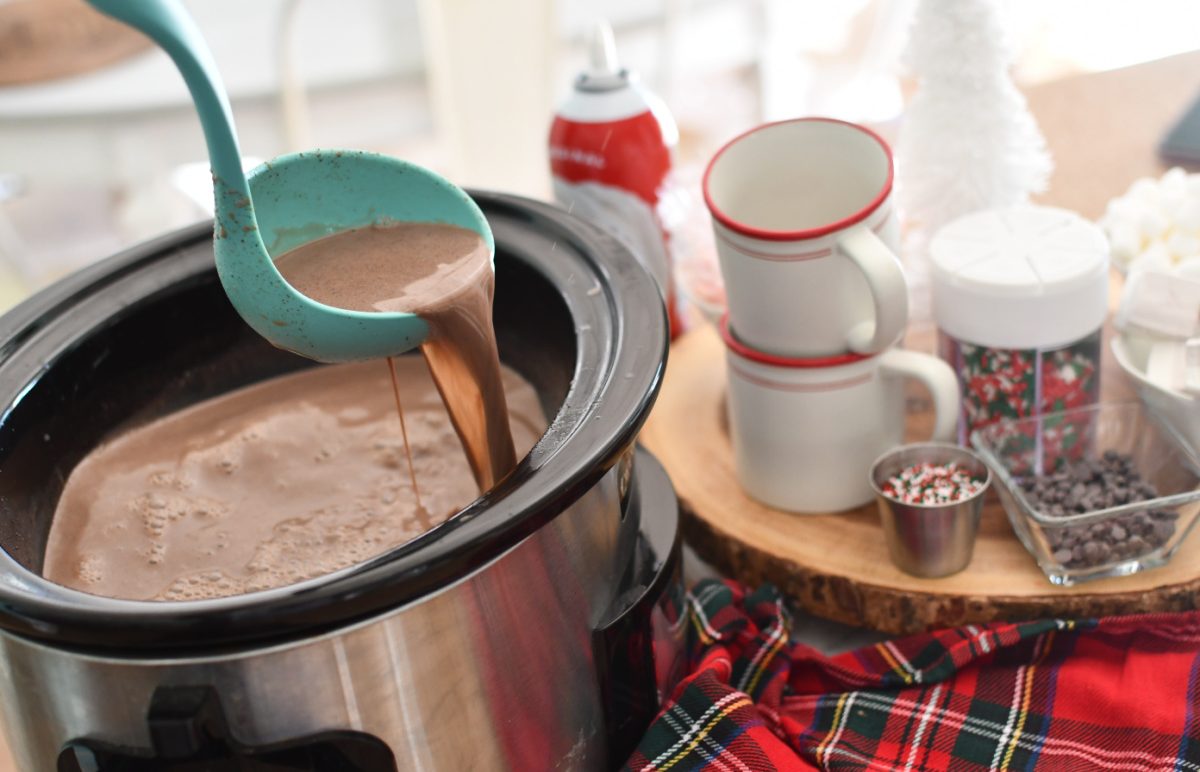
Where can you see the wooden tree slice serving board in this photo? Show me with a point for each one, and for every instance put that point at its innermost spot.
(836, 565)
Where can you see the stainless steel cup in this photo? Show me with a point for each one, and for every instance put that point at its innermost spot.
(929, 540)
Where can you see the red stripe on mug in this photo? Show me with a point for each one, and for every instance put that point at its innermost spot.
(775, 360)
(778, 258)
(801, 388)
(790, 257)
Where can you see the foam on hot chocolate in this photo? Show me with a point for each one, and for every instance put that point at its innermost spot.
(276, 483)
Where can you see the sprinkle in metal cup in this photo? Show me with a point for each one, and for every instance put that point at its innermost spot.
(929, 540)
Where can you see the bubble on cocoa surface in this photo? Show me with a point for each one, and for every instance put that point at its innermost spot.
(353, 415)
(209, 512)
(158, 512)
(201, 586)
(169, 480)
(155, 522)
(91, 569)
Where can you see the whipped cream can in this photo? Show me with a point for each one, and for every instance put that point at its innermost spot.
(611, 146)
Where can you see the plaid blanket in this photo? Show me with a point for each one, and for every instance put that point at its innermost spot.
(1120, 693)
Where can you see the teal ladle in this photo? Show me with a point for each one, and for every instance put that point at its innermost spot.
(294, 199)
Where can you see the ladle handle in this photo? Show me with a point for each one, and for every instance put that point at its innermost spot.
(168, 23)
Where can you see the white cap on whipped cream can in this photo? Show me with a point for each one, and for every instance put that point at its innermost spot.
(610, 156)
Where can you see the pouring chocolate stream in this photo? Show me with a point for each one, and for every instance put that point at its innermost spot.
(444, 274)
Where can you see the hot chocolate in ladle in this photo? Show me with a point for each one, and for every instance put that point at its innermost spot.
(294, 199)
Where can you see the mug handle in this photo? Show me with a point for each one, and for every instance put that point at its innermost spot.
(889, 291)
(938, 377)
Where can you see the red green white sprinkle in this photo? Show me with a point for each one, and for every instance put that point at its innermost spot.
(932, 484)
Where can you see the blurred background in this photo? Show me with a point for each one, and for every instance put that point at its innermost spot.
(100, 148)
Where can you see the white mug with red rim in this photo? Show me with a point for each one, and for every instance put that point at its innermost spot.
(806, 431)
(806, 236)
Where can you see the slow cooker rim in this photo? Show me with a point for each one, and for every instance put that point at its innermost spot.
(424, 566)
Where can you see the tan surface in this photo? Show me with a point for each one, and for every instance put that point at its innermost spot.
(1102, 130)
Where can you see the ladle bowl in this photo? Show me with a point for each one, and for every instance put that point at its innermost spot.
(304, 196)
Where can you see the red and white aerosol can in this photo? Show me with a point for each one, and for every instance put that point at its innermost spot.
(610, 155)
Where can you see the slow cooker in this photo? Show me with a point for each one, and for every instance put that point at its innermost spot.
(536, 629)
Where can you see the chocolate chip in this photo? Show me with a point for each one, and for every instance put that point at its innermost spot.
(1163, 531)
(1093, 484)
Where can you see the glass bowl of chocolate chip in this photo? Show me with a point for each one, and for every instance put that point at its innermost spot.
(1093, 492)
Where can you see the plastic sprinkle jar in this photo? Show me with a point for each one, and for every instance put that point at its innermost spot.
(1019, 297)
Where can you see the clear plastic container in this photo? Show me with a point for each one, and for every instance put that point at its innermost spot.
(1000, 383)
(1020, 296)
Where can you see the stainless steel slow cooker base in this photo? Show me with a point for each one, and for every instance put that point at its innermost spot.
(499, 671)
(536, 629)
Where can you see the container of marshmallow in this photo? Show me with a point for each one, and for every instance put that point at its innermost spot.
(1154, 233)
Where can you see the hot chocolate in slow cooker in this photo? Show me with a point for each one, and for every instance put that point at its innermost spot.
(535, 629)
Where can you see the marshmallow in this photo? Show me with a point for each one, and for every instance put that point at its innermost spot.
(1165, 365)
(1172, 203)
(1182, 245)
(1188, 215)
(1123, 210)
(1154, 258)
(1174, 183)
(1163, 304)
(1175, 365)
(1125, 241)
(1154, 223)
(1144, 191)
(1188, 269)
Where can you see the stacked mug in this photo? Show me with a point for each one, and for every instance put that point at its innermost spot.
(807, 235)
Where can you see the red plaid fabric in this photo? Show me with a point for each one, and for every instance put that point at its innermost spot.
(1121, 693)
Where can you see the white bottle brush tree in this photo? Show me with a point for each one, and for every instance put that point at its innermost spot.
(968, 141)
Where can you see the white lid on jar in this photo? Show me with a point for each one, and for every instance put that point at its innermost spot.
(1022, 277)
